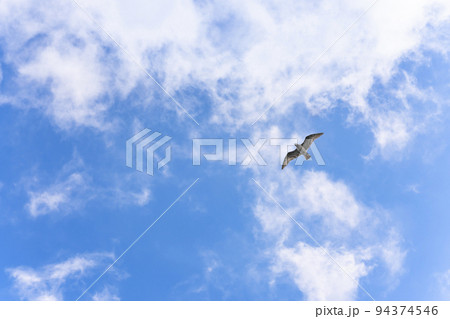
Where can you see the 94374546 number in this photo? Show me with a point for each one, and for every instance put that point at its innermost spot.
(405, 310)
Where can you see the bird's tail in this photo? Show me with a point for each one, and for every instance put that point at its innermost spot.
(307, 156)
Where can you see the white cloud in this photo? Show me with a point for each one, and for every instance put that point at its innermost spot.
(60, 196)
(360, 237)
(317, 276)
(71, 188)
(107, 294)
(76, 83)
(215, 277)
(332, 200)
(413, 188)
(244, 55)
(142, 198)
(54, 46)
(443, 282)
(392, 130)
(49, 282)
(406, 112)
(315, 195)
(127, 189)
(392, 253)
(357, 236)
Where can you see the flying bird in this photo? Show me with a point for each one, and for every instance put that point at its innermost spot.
(301, 149)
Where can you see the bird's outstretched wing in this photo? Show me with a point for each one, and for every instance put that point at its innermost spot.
(289, 157)
(309, 139)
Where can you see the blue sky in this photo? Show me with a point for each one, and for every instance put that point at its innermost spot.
(70, 98)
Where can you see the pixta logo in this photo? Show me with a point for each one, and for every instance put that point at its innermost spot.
(241, 152)
(228, 151)
(145, 148)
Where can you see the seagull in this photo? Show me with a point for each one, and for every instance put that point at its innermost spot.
(301, 149)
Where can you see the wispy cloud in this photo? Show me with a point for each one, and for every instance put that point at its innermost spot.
(72, 187)
(413, 188)
(216, 278)
(443, 284)
(50, 281)
(60, 196)
(81, 68)
(62, 193)
(107, 294)
(357, 236)
(401, 114)
(76, 83)
(317, 276)
(127, 189)
(66, 67)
